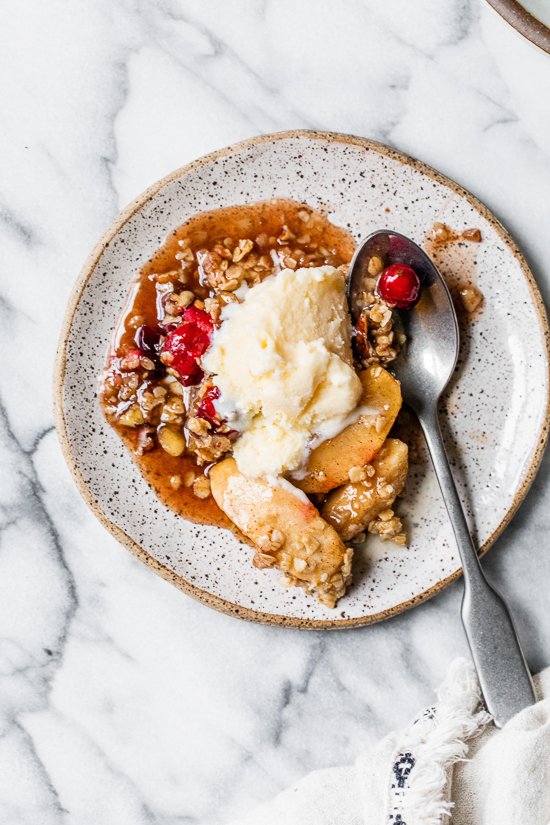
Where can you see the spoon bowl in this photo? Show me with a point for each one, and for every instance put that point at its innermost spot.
(424, 368)
(428, 358)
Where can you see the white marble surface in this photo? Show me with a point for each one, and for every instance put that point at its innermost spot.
(122, 702)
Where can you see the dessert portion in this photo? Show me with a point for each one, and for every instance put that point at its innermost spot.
(248, 401)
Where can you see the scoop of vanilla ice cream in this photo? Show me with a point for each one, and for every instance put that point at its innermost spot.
(282, 361)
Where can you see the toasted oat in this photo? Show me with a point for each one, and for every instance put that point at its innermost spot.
(132, 417)
(357, 474)
(471, 298)
(130, 361)
(242, 249)
(208, 448)
(232, 285)
(310, 544)
(149, 401)
(199, 426)
(473, 235)
(271, 542)
(172, 410)
(146, 363)
(171, 385)
(375, 266)
(277, 539)
(201, 487)
(185, 298)
(213, 307)
(126, 393)
(188, 478)
(262, 561)
(385, 490)
(286, 234)
(441, 233)
(389, 527)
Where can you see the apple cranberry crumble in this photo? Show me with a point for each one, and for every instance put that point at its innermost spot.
(257, 293)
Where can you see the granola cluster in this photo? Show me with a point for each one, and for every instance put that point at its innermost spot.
(301, 564)
(328, 589)
(376, 341)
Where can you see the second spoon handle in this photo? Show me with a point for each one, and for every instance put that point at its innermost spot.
(501, 667)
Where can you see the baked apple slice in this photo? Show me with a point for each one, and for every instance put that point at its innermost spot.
(329, 463)
(352, 508)
(287, 530)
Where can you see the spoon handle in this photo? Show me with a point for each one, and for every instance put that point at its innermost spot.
(501, 667)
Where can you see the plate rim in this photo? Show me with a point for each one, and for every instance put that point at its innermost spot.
(209, 599)
(524, 22)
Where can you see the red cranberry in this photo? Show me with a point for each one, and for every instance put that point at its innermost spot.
(193, 378)
(190, 372)
(148, 340)
(201, 319)
(187, 343)
(206, 407)
(399, 286)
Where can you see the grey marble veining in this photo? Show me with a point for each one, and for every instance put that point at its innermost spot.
(121, 700)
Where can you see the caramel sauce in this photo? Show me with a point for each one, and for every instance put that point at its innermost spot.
(264, 223)
(455, 254)
(157, 467)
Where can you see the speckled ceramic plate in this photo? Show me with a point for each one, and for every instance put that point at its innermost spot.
(495, 410)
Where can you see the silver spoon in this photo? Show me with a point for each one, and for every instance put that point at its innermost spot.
(424, 368)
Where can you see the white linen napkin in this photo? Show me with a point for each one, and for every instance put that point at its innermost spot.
(450, 766)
